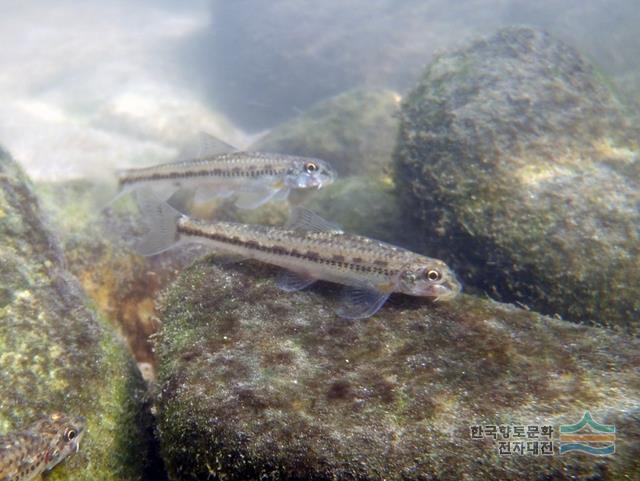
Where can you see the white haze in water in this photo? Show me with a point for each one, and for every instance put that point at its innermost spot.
(86, 87)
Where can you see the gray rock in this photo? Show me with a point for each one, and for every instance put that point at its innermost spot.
(56, 354)
(355, 131)
(516, 164)
(255, 383)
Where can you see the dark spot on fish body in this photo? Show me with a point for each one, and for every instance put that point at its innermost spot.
(312, 255)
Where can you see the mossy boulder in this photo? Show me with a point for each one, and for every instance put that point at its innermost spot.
(365, 204)
(516, 161)
(56, 354)
(255, 383)
(355, 131)
(97, 242)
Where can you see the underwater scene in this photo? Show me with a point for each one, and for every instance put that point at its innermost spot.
(345, 240)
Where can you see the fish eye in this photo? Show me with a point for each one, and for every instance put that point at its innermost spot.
(311, 167)
(70, 435)
(433, 275)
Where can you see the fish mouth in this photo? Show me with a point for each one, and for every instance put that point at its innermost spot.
(443, 292)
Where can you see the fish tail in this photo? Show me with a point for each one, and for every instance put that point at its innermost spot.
(162, 221)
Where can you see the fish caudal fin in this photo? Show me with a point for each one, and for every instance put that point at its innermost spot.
(162, 221)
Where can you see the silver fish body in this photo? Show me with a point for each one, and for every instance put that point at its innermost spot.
(26, 454)
(254, 178)
(311, 249)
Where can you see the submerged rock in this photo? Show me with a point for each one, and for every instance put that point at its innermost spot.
(515, 160)
(97, 244)
(255, 383)
(364, 204)
(55, 353)
(355, 131)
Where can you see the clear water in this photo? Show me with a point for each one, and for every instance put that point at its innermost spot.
(87, 88)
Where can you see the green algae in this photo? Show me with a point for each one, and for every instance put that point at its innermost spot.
(518, 156)
(257, 383)
(57, 354)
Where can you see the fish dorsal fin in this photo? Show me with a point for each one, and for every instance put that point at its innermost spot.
(306, 220)
(204, 146)
(210, 145)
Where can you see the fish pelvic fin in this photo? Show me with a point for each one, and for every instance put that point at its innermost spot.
(360, 302)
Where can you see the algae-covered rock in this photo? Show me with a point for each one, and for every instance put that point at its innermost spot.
(364, 204)
(98, 246)
(355, 131)
(514, 155)
(255, 383)
(55, 353)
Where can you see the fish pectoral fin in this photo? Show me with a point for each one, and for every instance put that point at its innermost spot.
(254, 197)
(361, 302)
(291, 281)
(306, 220)
(207, 193)
(281, 195)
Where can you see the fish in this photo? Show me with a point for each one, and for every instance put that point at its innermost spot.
(252, 178)
(24, 455)
(309, 248)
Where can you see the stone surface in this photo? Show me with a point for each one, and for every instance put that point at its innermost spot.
(97, 245)
(516, 164)
(355, 131)
(255, 383)
(56, 354)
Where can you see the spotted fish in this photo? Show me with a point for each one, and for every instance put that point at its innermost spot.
(24, 455)
(252, 178)
(309, 248)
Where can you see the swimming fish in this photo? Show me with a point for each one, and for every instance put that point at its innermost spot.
(24, 455)
(310, 248)
(254, 178)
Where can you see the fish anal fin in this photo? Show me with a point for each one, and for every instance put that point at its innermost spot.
(361, 302)
(306, 220)
(291, 281)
